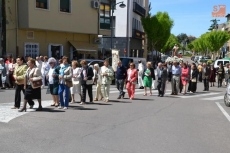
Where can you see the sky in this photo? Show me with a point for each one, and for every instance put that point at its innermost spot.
(190, 16)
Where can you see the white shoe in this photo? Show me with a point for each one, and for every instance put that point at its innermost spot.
(72, 102)
(60, 107)
(82, 103)
(65, 108)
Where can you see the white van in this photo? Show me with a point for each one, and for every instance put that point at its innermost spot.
(221, 61)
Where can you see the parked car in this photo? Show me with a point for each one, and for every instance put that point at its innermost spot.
(197, 59)
(91, 62)
(223, 61)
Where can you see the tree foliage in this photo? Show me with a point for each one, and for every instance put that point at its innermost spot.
(216, 39)
(212, 41)
(157, 28)
(170, 43)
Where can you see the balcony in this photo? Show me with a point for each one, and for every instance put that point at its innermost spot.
(138, 34)
(138, 9)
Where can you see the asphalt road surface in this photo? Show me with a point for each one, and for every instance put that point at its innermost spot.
(192, 123)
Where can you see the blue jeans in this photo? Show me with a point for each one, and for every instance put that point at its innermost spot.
(66, 89)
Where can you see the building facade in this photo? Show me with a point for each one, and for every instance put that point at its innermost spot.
(52, 27)
(129, 36)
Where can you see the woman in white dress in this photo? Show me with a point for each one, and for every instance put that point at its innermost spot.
(97, 82)
(76, 89)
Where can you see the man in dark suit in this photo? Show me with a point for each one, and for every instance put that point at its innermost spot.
(206, 76)
(162, 78)
(86, 82)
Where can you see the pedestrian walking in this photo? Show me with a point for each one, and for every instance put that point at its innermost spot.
(220, 75)
(120, 79)
(132, 76)
(226, 74)
(184, 77)
(206, 76)
(76, 80)
(86, 82)
(53, 79)
(147, 78)
(107, 74)
(140, 74)
(162, 75)
(175, 83)
(97, 82)
(3, 72)
(32, 74)
(193, 78)
(212, 76)
(65, 82)
(19, 76)
(44, 70)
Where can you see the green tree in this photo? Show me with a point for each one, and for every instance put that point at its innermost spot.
(216, 39)
(157, 28)
(199, 45)
(170, 43)
(182, 37)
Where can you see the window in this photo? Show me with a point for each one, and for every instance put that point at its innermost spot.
(31, 50)
(65, 6)
(43, 4)
(105, 16)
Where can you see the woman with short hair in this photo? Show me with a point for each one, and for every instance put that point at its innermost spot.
(107, 75)
(65, 82)
(53, 80)
(86, 81)
(32, 74)
(97, 82)
(184, 76)
(76, 79)
(132, 76)
(147, 78)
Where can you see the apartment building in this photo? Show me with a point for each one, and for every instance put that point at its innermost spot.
(129, 36)
(52, 27)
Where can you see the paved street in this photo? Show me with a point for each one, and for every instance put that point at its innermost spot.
(173, 124)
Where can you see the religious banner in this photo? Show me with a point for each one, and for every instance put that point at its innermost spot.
(115, 59)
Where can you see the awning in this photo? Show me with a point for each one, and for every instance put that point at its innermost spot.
(84, 47)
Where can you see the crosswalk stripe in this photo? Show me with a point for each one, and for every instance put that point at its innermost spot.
(198, 95)
(7, 114)
(214, 98)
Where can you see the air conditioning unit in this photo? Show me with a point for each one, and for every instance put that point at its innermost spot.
(95, 4)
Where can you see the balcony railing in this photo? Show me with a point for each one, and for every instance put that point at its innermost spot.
(138, 9)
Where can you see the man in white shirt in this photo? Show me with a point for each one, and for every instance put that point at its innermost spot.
(44, 70)
(38, 63)
(140, 74)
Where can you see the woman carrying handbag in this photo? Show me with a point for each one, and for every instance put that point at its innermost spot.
(32, 85)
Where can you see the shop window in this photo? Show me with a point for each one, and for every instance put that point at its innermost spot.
(43, 4)
(105, 16)
(65, 6)
(31, 50)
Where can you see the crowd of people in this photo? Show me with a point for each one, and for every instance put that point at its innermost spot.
(66, 79)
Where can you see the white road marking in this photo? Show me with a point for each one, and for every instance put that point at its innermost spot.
(8, 114)
(214, 98)
(223, 111)
(197, 95)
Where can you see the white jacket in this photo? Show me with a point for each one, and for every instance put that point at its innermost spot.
(109, 71)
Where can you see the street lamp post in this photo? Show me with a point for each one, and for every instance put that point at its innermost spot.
(112, 7)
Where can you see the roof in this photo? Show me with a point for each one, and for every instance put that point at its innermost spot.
(228, 15)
